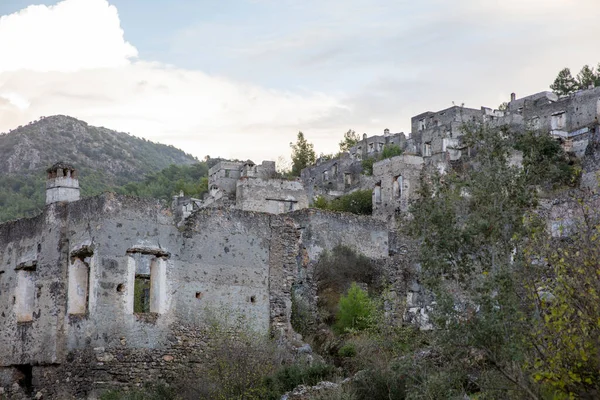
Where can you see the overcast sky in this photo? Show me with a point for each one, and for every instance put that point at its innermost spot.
(240, 78)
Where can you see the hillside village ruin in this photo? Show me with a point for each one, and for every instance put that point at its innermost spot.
(113, 290)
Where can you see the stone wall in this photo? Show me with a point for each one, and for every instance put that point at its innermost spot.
(220, 261)
(333, 178)
(372, 146)
(323, 230)
(398, 179)
(224, 176)
(274, 196)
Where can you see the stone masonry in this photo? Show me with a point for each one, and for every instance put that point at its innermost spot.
(112, 291)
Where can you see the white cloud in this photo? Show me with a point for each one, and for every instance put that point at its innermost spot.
(72, 35)
(380, 62)
(72, 59)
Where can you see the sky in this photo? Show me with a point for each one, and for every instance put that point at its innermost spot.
(240, 78)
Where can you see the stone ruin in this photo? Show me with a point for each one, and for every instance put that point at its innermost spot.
(112, 291)
(435, 143)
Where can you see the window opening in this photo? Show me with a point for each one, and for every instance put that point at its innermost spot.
(25, 377)
(348, 179)
(558, 121)
(141, 294)
(377, 193)
(79, 273)
(24, 299)
(427, 149)
(397, 186)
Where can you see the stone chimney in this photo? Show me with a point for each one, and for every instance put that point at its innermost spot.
(62, 184)
(513, 97)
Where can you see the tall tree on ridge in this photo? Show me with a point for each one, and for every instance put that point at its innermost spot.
(303, 154)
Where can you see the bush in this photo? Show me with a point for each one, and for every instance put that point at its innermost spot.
(358, 202)
(334, 273)
(157, 392)
(347, 350)
(289, 377)
(367, 165)
(355, 310)
(389, 151)
(379, 384)
(544, 161)
(301, 319)
(321, 202)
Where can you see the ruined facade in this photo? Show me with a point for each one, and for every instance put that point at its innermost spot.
(114, 290)
(110, 290)
(246, 186)
(397, 181)
(435, 141)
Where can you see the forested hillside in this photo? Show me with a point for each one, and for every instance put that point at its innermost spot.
(106, 160)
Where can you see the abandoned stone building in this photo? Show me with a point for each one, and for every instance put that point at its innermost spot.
(246, 186)
(108, 290)
(113, 290)
(397, 183)
(435, 141)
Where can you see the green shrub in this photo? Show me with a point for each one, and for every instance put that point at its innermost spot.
(358, 202)
(156, 392)
(355, 310)
(544, 161)
(334, 273)
(291, 376)
(347, 350)
(321, 202)
(379, 384)
(367, 165)
(389, 151)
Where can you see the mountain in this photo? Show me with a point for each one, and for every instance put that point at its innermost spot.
(106, 160)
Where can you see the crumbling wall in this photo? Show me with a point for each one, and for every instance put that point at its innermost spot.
(397, 182)
(372, 146)
(221, 264)
(274, 196)
(323, 230)
(224, 176)
(32, 284)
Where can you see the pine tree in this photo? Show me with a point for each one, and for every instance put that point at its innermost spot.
(350, 140)
(564, 83)
(586, 77)
(303, 154)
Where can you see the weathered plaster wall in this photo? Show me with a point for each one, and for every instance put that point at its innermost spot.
(372, 146)
(34, 248)
(323, 230)
(266, 170)
(397, 183)
(274, 196)
(224, 176)
(334, 178)
(221, 263)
